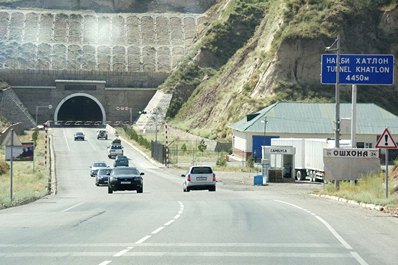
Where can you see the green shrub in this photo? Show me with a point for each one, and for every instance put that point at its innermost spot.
(222, 161)
(136, 137)
(250, 162)
(4, 167)
(184, 147)
(202, 146)
(35, 135)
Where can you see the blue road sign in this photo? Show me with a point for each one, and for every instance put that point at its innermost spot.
(358, 69)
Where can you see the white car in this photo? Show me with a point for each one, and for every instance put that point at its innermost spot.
(102, 134)
(199, 178)
(95, 167)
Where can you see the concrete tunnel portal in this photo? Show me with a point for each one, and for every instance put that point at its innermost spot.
(80, 107)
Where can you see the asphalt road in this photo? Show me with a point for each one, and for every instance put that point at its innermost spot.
(276, 224)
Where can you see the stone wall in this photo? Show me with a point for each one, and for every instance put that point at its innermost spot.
(117, 6)
(13, 110)
(77, 41)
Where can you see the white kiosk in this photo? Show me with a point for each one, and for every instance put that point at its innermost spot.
(281, 163)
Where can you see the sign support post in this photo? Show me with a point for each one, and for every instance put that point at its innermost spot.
(387, 173)
(387, 142)
(11, 164)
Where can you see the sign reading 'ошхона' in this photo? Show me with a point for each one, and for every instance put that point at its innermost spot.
(358, 69)
(352, 153)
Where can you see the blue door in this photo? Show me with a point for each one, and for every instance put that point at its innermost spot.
(258, 141)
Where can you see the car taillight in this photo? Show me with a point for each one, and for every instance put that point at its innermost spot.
(214, 177)
(189, 177)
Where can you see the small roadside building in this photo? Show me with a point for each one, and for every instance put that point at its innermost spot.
(309, 120)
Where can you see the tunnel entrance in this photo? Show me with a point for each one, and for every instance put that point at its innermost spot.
(80, 107)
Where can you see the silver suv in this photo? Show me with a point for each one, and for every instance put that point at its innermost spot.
(102, 134)
(115, 150)
(199, 178)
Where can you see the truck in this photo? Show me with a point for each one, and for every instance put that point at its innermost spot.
(308, 160)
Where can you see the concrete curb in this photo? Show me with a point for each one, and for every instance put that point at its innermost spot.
(154, 162)
(54, 185)
(352, 202)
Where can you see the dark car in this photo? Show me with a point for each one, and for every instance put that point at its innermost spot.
(102, 176)
(125, 178)
(121, 161)
(117, 141)
(79, 136)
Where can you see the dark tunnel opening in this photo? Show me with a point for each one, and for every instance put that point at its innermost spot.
(80, 108)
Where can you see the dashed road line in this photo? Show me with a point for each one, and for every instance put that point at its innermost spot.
(124, 252)
(169, 222)
(142, 240)
(157, 230)
(74, 206)
(106, 262)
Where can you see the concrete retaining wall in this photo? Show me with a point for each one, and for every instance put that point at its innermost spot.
(42, 40)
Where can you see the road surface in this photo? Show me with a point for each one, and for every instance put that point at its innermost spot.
(277, 224)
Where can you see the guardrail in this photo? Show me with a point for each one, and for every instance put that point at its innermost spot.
(86, 123)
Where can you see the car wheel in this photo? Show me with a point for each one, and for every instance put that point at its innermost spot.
(140, 190)
(96, 184)
(213, 188)
(110, 191)
(188, 190)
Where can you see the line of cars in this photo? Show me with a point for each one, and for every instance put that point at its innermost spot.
(121, 176)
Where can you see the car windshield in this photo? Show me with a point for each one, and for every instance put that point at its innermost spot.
(99, 165)
(104, 171)
(125, 171)
(201, 170)
(79, 133)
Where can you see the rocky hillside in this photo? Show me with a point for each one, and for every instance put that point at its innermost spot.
(259, 52)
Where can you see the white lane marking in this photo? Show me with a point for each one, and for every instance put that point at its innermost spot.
(328, 226)
(74, 206)
(158, 230)
(181, 254)
(241, 254)
(66, 140)
(124, 251)
(106, 262)
(359, 258)
(243, 245)
(177, 216)
(169, 222)
(142, 240)
(336, 235)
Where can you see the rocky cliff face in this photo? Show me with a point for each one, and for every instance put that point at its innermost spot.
(116, 6)
(270, 68)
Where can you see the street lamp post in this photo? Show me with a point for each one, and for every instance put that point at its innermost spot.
(337, 96)
(38, 107)
(131, 116)
(265, 126)
(337, 88)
